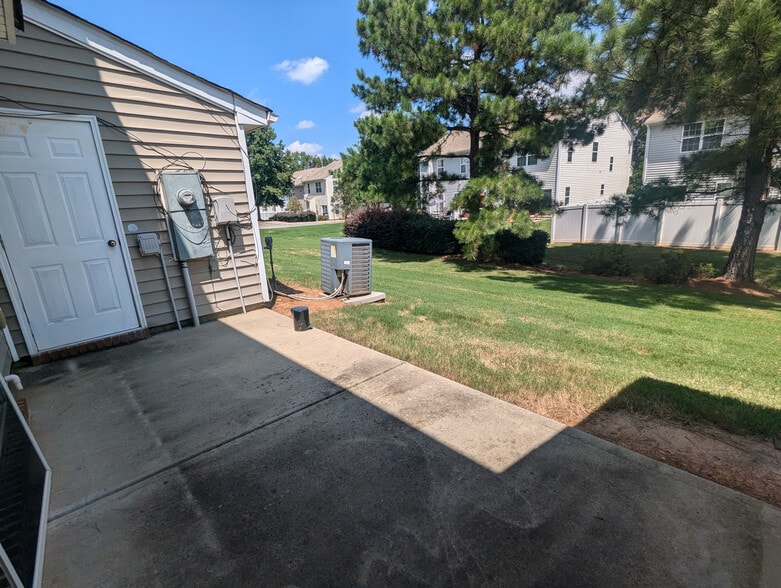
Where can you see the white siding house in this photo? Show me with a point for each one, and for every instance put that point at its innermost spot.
(571, 174)
(667, 144)
(316, 188)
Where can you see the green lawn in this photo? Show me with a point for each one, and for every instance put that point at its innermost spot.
(565, 345)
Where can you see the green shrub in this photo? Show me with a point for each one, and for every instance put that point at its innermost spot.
(607, 262)
(673, 268)
(403, 230)
(424, 234)
(295, 217)
(512, 249)
(706, 270)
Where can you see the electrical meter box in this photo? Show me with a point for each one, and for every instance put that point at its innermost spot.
(349, 258)
(224, 209)
(188, 218)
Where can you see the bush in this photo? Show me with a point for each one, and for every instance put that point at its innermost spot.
(424, 234)
(706, 270)
(673, 268)
(402, 230)
(607, 262)
(295, 217)
(510, 248)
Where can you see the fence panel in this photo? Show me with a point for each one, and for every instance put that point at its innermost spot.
(687, 225)
(696, 224)
(567, 225)
(599, 228)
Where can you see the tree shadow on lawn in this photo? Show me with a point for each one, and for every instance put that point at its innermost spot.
(388, 256)
(660, 398)
(638, 295)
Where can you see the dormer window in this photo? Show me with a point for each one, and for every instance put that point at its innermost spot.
(525, 160)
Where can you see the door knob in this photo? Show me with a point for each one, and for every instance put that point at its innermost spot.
(112, 243)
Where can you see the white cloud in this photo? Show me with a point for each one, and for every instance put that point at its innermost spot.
(308, 148)
(306, 71)
(361, 110)
(305, 124)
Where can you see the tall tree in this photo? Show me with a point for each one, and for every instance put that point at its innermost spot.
(501, 71)
(495, 69)
(703, 60)
(383, 166)
(269, 166)
(300, 160)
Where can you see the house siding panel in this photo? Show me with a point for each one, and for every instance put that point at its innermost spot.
(586, 177)
(46, 72)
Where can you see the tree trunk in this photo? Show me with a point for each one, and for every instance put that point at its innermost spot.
(740, 265)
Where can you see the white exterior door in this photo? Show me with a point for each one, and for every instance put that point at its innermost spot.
(60, 233)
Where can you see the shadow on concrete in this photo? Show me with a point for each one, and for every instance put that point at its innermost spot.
(241, 453)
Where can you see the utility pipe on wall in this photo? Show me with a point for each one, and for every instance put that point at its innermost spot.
(188, 287)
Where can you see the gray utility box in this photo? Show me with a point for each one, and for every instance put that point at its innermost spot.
(188, 218)
(346, 254)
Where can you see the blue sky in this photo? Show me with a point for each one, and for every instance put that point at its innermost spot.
(297, 57)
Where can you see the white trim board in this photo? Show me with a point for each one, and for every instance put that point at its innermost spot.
(69, 26)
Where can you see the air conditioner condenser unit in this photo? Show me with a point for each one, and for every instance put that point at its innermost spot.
(348, 258)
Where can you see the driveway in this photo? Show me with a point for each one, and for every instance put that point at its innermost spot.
(243, 453)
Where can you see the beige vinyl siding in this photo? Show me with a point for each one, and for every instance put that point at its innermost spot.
(585, 177)
(4, 20)
(46, 72)
(663, 153)
(7, 27)
(544, 170)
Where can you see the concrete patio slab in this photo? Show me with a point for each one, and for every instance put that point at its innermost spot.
(245, 453)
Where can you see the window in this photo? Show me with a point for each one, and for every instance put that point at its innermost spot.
(702, 136)
(602, 189)
(611, 163)
(464, 166)
(324, 209)
(594, 151)
(566, 195)
(440, 166)
(308, 189)
(570, 151)
(524, 160)
(319, 187)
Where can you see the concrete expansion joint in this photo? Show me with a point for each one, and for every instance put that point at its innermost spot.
(54, 516)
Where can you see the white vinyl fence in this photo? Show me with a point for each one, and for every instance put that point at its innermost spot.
(710, 224)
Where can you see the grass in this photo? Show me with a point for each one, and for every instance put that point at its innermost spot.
(565, 345)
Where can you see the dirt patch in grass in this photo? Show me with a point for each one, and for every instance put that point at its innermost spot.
(746, 464)
(724, 286)
(284, 305)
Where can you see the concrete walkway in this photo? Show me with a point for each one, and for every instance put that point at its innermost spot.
(244, 453)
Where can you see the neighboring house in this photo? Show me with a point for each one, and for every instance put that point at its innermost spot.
(87, 122)
(666, 144)
(447, 158)
(315, 188)
(571, 174)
